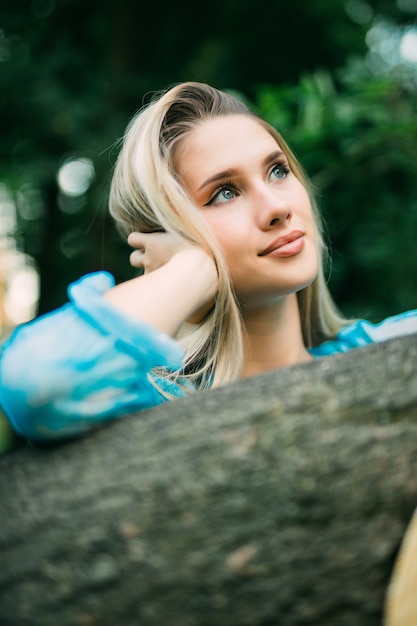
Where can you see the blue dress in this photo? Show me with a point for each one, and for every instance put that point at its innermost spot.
(85, 363)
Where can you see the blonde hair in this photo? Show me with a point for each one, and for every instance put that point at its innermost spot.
(147, 195)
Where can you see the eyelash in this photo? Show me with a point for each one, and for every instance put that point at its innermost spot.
(283, 165)
(229, 185)
(226, 185)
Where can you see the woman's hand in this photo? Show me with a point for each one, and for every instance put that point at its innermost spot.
(179, 284)
(152, 250)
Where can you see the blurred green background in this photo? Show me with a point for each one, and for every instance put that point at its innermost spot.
(338, 79)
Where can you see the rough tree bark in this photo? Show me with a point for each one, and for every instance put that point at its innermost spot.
(278, 500)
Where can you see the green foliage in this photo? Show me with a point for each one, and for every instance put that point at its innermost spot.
(72, 73)
(357, 139)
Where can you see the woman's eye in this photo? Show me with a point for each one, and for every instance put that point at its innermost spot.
(222, 195)
(279, 171)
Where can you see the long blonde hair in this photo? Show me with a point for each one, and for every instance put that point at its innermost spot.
(147, 195)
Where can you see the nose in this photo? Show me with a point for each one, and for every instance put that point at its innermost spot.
(272, 207)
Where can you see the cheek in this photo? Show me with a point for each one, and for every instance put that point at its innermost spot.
(224, 230)
(232, 238)
(304, 202)
(305, 211)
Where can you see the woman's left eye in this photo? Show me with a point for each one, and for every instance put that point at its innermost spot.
(279, 171)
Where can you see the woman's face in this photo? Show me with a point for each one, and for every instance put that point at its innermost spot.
(239, 178)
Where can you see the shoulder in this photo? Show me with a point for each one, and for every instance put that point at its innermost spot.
(362, 333)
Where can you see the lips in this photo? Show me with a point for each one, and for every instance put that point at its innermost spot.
(283, 241)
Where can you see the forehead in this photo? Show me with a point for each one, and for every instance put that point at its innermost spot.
(223, 142)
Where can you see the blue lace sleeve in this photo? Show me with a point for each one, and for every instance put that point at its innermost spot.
(363, 333)
(69, 370)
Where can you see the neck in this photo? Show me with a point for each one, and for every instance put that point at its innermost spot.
(273, 337)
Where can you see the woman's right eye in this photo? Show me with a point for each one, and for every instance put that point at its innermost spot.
(224, 194)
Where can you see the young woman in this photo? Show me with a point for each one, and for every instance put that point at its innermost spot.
(224, 226)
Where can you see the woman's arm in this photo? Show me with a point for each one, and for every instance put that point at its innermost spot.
(89, 361)
(170, 293)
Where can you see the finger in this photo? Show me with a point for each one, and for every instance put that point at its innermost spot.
(136, 259)
(135, 240)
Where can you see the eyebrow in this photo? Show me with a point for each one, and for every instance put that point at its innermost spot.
(277, 154)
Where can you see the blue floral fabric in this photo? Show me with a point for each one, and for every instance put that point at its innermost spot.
(363, 333)
(80, 365)
(85, 363)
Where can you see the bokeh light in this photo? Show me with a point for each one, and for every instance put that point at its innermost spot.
(75, 176)
(408, 46)
(19, 280)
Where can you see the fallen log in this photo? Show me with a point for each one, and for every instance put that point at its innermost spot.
(281, 499)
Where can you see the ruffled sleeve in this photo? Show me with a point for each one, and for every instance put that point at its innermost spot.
(85, 363)
(363, 333)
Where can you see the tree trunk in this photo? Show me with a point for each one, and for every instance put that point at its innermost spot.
(277, 500)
